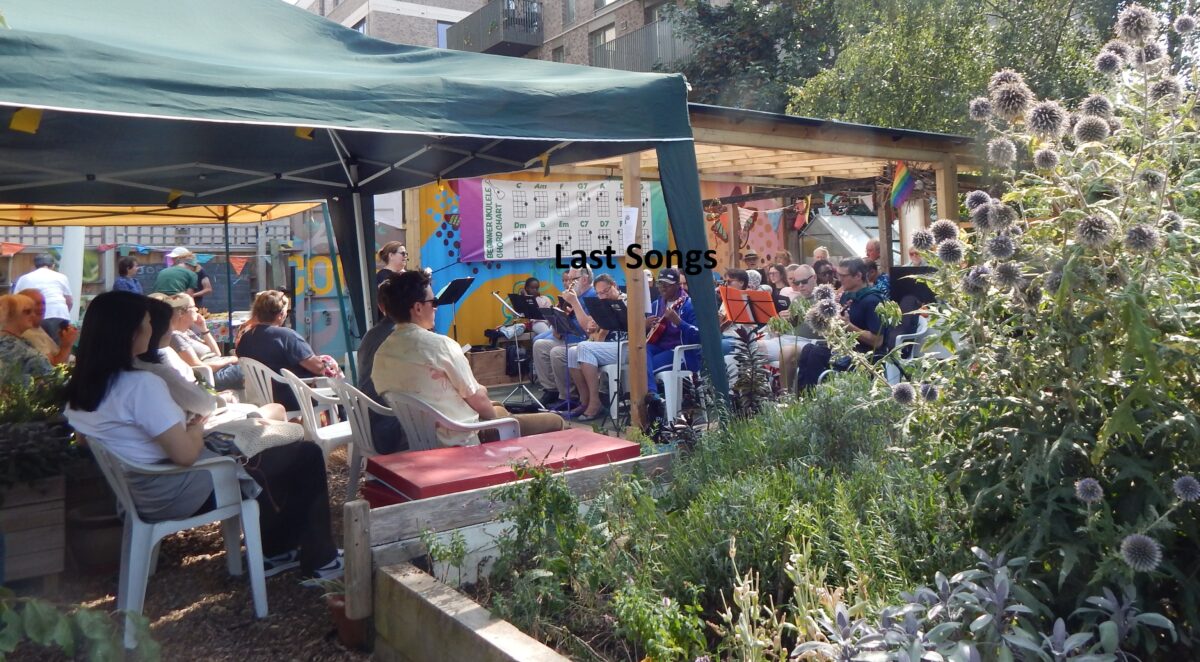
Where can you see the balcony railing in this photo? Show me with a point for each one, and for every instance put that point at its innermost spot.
(653, 47)
(501, 27)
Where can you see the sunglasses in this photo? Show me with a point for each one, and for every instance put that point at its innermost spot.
(803, 281)
(432, 302)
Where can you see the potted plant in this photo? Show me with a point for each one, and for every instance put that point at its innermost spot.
(35, 444)
(351, 633)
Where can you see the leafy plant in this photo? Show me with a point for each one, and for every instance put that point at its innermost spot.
(452, 552)
(34, 436)
(751, 387)
(72, 630)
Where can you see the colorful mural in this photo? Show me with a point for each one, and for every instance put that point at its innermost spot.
(767, 234)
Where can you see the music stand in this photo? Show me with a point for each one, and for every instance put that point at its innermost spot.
(908, 281)
(761, 306)
(613, 316)
(737, 305)
(450, 295)
(525, 306)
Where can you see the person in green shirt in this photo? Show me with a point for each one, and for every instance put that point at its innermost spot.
(179, 278)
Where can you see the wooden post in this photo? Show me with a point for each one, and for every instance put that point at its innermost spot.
(735, 242)
(946, 174)
(631, 169)
(359, 573)
(882, 202)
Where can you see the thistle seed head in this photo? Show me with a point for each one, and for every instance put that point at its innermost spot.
(1001, 247)
(1091, 129)
(1136, 24)
(977, 280)
(1171, 222)
(1011, 100)
(1167, 91)
(1008, 275)
(983, 217)
(1187, 488)
(1088, 490)
(1141, 239)
(951, 251)
(976, 198)
(1001, 152)
(823, 291)
(1141, 552)
(1153, 179)
(1185, 24)
(944, 229)
(1005, 77)
(904, 393)
(1097, 105)
(1108, 63)
(980, 109)
(1118, 48)
(922, 240)
(1093, 231)
(1046, 120)
(1045, 159)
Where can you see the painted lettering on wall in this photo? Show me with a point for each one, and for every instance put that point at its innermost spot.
(315, 273)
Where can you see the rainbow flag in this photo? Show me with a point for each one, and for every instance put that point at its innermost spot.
(902, 184)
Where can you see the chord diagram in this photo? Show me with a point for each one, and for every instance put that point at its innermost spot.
(585, 240)
(520, 245)
(602, 204)
(520, 205)
(543, 246)
(583, 204)
(604, 237)
(564, 239)
(562, 203)
(541, 204)
(620, 196)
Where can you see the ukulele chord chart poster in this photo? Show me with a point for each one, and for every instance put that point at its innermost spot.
(522, 220)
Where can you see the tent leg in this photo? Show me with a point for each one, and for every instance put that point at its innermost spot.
(337, 283)
(364, 260)
(229, 277)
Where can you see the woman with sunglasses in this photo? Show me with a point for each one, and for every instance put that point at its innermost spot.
(394, 257)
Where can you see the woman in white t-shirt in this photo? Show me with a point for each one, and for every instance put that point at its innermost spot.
(131, 412)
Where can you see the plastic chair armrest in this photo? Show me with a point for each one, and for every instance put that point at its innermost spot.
(223, 471)
(678, 358)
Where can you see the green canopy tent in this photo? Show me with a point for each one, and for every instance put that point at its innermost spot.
(141, 102)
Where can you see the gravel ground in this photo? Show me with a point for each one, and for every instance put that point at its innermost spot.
(198, 611)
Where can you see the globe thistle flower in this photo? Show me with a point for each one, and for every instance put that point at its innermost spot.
(1089, 491)
(904, 393)
(1008, 275)
(977, 280)
(1153, 179)
(1136, 24)
(1002, 152)
(951, 251)
(976, 198)
(929, 392)
(922, 240)
(1045, 159)
(1167, 91)
(822, 292)
(1005, 215)
(1091, 129)
(1141, 552)
(1108, 63)
(1171, 222)
(1093, 231)
(1097, 105)
(1185, 24)
(980, 109)
(1046, 120)
(1187, 488)
(1141, 239)
(1001, 247)
(1010, 101)
(944, 229)
(1005, 77)
(1146, 58)
(1118, 48)
(816, 319)
(983, 217)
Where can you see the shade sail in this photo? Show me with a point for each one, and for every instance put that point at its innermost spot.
(92, 215)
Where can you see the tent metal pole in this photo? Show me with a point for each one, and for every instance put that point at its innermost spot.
(364, 262)
(337, 283)
(228, 274)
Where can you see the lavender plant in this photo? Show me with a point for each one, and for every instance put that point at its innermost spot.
(1073, 310)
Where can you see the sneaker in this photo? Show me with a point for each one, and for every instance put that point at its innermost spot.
(332, 570)
(274, 565)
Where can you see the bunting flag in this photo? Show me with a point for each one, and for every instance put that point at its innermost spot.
(10, 248)
(867, 201)
(203, 258)
(26, 120)
(238, 262)
(746, 216)
(775, 216)
(902, 184)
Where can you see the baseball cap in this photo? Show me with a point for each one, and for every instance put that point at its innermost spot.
(178, 251)
(670, 275)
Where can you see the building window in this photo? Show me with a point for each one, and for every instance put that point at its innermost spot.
(568, 13)
(360, 26)
(559, 54)
(442, 27)
(596, 44)
(656, 13)
(601, 4)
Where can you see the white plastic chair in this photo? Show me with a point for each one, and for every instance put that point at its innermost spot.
(328, 437)
(358, 414)
(895, 367)
(204, 374)
(260, 380)
(421, 421)
(672, 380)
(139, 549)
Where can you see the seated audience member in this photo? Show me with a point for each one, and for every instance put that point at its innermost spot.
(826, 273)
(550, 354)
(132, 414)
(735, 279)
(58, 352)
(585, 359)
(915, 259)
(162, 360)
(820, 254)
(386, 432)
(531, 288)
(858, 301)
(278, 347)
(777, 277)
(800, 277)
(880, 280)
(197, 350)
(417, 361)
(18, 358)
(126, 280)
(672, 323)
(783, 258)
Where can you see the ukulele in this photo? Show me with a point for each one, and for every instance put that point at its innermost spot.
(660, 327)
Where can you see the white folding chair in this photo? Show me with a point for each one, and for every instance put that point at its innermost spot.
(672, 380)
(358, 414)
(260, 380)
(204, 374)
(421, 421)
(894, 369)
(139, 549)
(328, 437)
